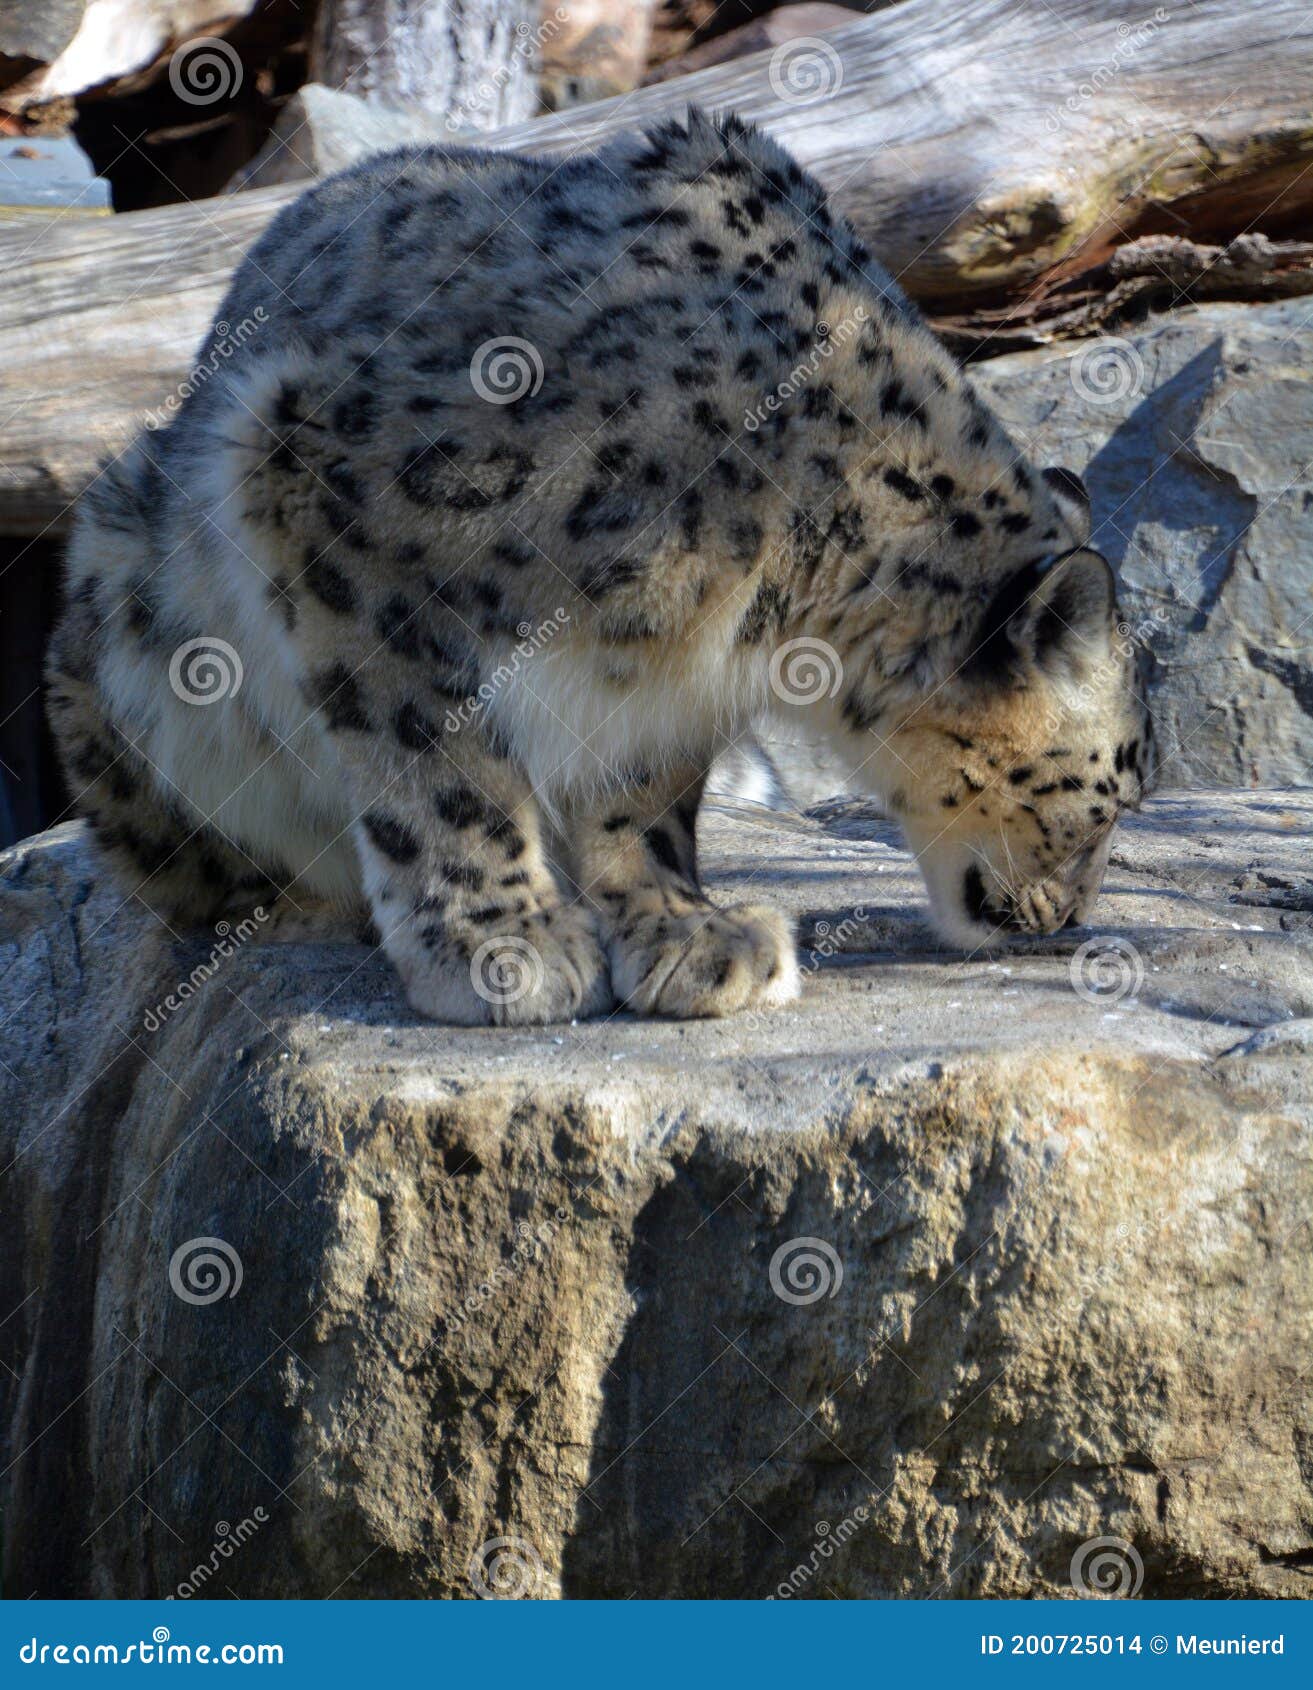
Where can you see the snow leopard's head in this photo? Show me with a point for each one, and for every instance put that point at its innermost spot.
(1009, 778)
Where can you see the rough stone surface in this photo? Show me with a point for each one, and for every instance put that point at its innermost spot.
(1195, 437)
(518, 1285)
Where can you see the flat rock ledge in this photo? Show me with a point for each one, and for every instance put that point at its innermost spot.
(918, 1288)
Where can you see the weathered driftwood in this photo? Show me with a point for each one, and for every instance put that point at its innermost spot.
(990, 152)
(1154, 273)
(387, 72)
(472, 59)
(123, 43)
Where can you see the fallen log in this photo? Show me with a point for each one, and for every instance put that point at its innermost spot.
(122, 44)
(1154, 273)
(989, 156)
(392, 74)
(466, 61)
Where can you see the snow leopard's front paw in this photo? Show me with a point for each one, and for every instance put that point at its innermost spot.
(706, 962)
(530, 969)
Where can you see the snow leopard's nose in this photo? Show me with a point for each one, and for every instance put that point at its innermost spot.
(983, 905)
(1038, 909)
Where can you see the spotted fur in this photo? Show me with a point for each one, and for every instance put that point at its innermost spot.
(490, 646)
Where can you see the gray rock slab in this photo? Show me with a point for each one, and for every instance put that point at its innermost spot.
(916, 1287)
(1195, 437)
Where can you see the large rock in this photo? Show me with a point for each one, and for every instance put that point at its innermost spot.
(1195, 436)
(919, 1287)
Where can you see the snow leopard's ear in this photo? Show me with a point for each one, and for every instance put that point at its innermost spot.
(1073, 613)
(1073, 497)
(1056, 614)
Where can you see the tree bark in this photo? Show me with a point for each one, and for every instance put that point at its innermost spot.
(473, 60)
(994, 157)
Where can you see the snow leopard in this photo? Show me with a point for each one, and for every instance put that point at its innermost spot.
(535, 484)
